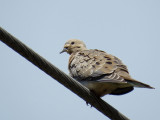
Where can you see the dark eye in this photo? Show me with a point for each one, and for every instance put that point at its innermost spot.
(72, 43)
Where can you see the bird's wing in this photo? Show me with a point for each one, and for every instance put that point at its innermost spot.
(96, 65)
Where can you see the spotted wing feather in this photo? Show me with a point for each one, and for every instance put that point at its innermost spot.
(95, 65)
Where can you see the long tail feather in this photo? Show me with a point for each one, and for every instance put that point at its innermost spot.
(139, 84)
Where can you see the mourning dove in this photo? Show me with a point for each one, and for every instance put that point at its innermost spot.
(99, 71)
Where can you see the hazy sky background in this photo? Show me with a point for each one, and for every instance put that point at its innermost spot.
(128, 29)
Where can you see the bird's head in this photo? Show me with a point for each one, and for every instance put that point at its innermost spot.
(73, 46)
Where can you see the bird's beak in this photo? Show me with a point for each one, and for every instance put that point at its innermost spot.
(64, 50)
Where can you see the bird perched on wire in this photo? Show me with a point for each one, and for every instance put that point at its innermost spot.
(99, 71)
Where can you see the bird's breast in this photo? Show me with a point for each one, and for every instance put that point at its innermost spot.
(100, 89)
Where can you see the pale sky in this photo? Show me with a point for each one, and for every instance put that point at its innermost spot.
(128, 29)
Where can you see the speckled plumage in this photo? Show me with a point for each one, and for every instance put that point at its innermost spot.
(99, 71)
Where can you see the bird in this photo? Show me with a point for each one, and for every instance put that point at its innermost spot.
(100, 72)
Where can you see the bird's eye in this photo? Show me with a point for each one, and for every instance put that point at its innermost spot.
(72, 43)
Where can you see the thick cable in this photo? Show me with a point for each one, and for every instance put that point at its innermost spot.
(60, 76)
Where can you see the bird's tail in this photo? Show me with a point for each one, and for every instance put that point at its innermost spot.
(138, 84)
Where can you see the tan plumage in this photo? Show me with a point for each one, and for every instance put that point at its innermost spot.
(99, 71)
